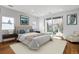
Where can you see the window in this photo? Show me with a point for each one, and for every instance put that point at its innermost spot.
(49, 26)
(7, 23)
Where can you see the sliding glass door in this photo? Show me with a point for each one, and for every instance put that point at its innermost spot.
(54, 25)
(57, 24)
(49, 26)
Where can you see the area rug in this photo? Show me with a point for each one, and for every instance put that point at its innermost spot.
(52, 47)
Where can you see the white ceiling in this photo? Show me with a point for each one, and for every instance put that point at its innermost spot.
(41, 10)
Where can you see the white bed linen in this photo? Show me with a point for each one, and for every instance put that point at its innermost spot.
(20, 36)
(53, 47)
(34, 40)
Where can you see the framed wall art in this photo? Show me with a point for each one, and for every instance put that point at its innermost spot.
(24, 20)
(72, 19)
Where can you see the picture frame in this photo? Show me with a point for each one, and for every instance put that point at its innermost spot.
(24, 20)
(72, 19)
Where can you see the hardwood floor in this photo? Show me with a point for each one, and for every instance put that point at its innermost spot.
(5, 48)
(71, 48)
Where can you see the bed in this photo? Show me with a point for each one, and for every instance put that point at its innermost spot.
(56, 46)
(34, 40)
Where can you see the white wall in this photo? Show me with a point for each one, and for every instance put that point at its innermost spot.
(0, 27)
(68, 29)
(12, 13)
(16, 14)
(41, 25)
(32, 20)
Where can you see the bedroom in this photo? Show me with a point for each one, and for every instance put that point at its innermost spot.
(39, 21)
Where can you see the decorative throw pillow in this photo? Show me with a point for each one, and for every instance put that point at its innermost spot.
(22, 31)
(27, 31)
(31, 30)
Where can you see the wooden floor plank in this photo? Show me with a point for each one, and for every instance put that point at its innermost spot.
(5, 47)
(71, 48)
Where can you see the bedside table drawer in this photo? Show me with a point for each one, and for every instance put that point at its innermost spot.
(5, 36)
(9, 37)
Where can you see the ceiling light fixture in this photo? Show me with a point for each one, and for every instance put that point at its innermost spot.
(10, 5)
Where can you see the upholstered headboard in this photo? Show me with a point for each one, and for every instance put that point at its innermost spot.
(23, 29)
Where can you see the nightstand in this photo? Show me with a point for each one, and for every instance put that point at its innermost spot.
(7, 37)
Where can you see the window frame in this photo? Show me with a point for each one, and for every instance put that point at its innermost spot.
(6, 23)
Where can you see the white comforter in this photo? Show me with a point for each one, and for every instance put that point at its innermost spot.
(34, 40)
